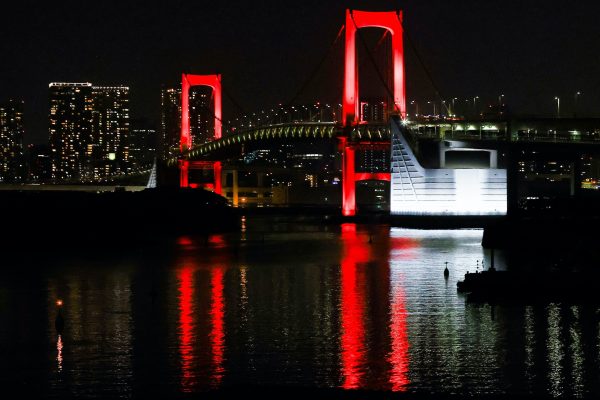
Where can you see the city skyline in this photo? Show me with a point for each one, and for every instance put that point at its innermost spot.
(205, 38)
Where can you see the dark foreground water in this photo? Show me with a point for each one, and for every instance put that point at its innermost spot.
(293, 304)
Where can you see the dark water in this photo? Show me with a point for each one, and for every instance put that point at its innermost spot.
(288, 303)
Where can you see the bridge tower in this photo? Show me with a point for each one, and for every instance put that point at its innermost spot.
(188, 81)
(392, 22)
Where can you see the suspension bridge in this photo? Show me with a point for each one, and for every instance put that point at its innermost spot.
(344, 123)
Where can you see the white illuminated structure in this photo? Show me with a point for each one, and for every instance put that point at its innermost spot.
(459, 192)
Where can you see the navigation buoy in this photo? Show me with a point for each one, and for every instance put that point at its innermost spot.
(59, 322)
(446, 272)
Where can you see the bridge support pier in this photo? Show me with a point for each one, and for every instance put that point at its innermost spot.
(236, 190)
(185, 166)
(350, 176)
(217, 169)
(348, 183)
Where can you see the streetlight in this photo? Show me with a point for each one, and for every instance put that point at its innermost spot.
(453, 109)
(432, 102)
(557, 106)
(416, 107)
(500, 100)
(474, 104)
(575, 108)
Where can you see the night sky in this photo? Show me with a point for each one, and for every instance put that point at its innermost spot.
(530, 51)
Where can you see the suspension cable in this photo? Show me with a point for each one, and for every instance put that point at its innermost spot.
(422, 63)
(317, 67)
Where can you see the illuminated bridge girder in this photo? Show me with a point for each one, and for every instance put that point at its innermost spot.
(325, 130)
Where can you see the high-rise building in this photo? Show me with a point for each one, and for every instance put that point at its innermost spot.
(109, 151)
(89, 128)
(12, 167)
(201, 119)
(70, 129)
(39, 163)
(170, 122)
(373, 110)
(142, 148)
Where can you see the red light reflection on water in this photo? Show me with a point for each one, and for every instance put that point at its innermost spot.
(403, 248)
(399, 335)
(217, 316)
(184, 241)
(217, 240)
(186, 327)
(189, 345)
(355, 250)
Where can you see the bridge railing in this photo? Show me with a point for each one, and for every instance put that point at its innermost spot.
(375, 132)
(557, 137)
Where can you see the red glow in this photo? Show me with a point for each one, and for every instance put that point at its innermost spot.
(392, 22)
(217, 316)
(404, 243)
(202, 164)
(183, 173)
(186, 166)
(372, 176)
(350, 177)
(355, 251)
(217, 171)
(217, 240)
(399, 335)
(187, 81)
(186, 327)
(184, 241)
(404, 248)
(348, 184)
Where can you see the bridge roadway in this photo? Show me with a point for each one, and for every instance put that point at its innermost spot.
(378, 132)
(521, 135)
(560, 131)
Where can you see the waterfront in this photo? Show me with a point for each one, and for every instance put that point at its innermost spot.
(284, 303)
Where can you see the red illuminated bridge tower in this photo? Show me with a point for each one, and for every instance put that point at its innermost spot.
(188, 81)
(392, 22)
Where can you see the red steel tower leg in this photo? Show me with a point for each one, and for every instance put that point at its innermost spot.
(348, 181)
(187, 81)
(184, 167)
(392, 22)
(217, 172)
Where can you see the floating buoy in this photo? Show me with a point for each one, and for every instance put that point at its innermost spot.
(59, 322)
(446, 272)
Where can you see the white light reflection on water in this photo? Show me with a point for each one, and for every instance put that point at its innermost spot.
(311, 306)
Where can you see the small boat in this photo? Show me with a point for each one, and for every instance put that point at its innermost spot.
(520, 286)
